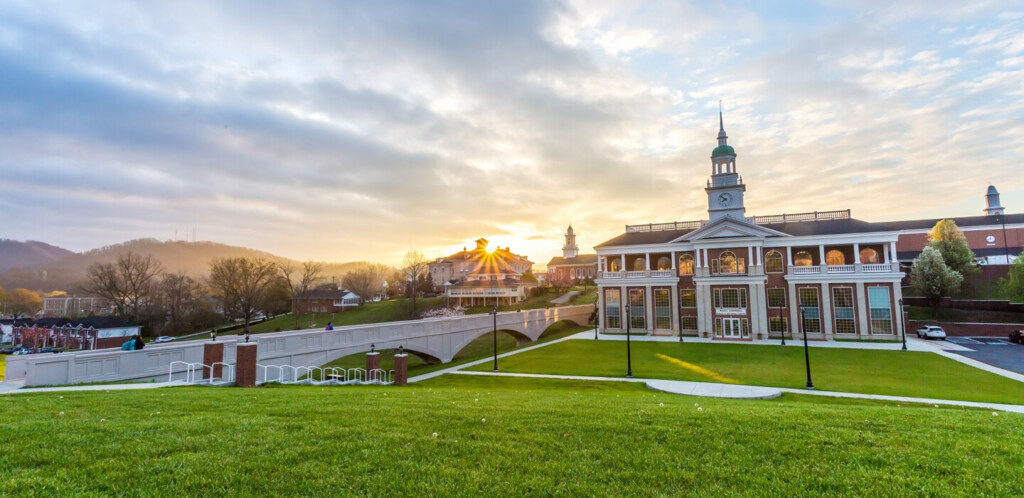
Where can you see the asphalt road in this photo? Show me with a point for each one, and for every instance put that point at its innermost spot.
(998, 352)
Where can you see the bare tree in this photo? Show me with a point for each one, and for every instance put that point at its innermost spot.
(127, 283)
(414, 266)
(179, 293)
(366, 281)
(300, 283)
(241, 284)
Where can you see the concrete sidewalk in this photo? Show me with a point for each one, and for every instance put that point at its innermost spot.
(740, 391)
(12, 388)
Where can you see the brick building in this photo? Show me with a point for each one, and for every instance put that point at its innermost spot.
(572, 264)
(735, 277)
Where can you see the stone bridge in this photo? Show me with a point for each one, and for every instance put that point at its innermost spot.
(434, 340)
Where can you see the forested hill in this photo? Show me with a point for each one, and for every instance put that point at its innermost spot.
(15, 253)
(66, 271)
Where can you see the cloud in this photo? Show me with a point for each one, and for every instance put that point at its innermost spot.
(357, 131)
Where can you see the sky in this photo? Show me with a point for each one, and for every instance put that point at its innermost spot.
(345, 131)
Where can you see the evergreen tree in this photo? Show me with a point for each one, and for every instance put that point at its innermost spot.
(947, 238)
(931, 278)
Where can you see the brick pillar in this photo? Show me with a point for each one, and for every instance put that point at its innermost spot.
(401, 369)
(213, 352)
(245, 366)
(372, 363)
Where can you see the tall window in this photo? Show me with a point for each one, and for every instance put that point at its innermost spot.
(688, 298)
(637, 313)
(612, 302)
(778, 324)
(773, 262)
(664, 263)
(731, 298)
(868, 256)
(880, 310)
(662, 308)
(842, 306)
(802, 258)
(835, 257)
(639, 264)
(809, 309)
(776, 297)
(689, 322)
(686, 264)
(727, 262)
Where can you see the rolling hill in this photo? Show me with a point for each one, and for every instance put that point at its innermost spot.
(42, 267)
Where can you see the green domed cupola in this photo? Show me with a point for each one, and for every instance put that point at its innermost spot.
(723, 150)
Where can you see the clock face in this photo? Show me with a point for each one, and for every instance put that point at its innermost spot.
(724, 198)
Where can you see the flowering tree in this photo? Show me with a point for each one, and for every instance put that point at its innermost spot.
(444, 312)
(931, 278)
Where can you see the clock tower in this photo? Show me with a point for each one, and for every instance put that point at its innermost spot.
(725, 188)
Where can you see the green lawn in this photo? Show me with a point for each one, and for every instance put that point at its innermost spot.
(482, 347)
(496, 437)
(897, 373)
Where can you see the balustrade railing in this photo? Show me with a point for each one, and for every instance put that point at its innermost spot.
(840, 269)
(806, 270)
(876, 268)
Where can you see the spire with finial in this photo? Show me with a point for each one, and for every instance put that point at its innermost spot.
(722, 137)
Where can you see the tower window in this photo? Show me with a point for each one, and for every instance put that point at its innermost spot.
(686, 264)
(773, 262)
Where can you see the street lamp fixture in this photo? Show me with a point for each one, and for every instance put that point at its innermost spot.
(903, 325)
(494, 313)
(629, 355)
(783, 328)
(807, 355)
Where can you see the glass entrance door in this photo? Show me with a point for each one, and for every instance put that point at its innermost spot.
(731, 328)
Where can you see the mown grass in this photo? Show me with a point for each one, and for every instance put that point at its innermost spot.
(896, 373)
(481, 347)
(496, 437)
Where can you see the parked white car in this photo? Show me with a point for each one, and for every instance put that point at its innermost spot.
(931, 332)
(163, 338)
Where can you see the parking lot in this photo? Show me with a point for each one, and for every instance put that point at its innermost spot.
(996, 351)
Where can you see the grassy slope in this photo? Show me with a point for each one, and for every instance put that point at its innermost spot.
(482, 347)
(897, 373)
(540, 438)
(384, 311)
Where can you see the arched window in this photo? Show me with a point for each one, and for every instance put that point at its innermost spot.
(727, 262)
(802, 258)
(773, 262)
(664, 263)
(639, 264)
(613, 265)
(686, 264)
(868, 256)
(835, 257)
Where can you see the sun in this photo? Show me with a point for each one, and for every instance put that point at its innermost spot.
(491, 248)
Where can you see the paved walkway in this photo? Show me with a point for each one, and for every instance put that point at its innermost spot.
(564, 298)
(12, 388)
(739, 391)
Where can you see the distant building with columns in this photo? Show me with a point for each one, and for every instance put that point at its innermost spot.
(737, 277)
(482, 277)
(572, 264)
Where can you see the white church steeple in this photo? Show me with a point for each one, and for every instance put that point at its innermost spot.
(570, 249)
(992, 206)
(725, 188)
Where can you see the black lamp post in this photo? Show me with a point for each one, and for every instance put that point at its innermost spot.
(807, 355)
(629, 355)
(597, 321)
(903, 325)
(246, 333)
(494, 313)
(783, 328)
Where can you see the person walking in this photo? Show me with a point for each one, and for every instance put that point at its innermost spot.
(138, 343)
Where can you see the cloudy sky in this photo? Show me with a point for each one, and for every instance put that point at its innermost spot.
(346, 131)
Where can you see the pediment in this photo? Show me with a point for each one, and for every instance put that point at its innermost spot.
(729, 228)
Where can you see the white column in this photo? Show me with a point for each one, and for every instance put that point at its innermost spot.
(856, 253)
(649, 310)
(759, 251)
(894, 253)
(673, 294)
(789, 257)
(696, 259)
(673, 256)
(750, 257)
(623, 262)
(826, 309)
(821, 254)
(885, 253)
(647, 261)
(794, 311)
